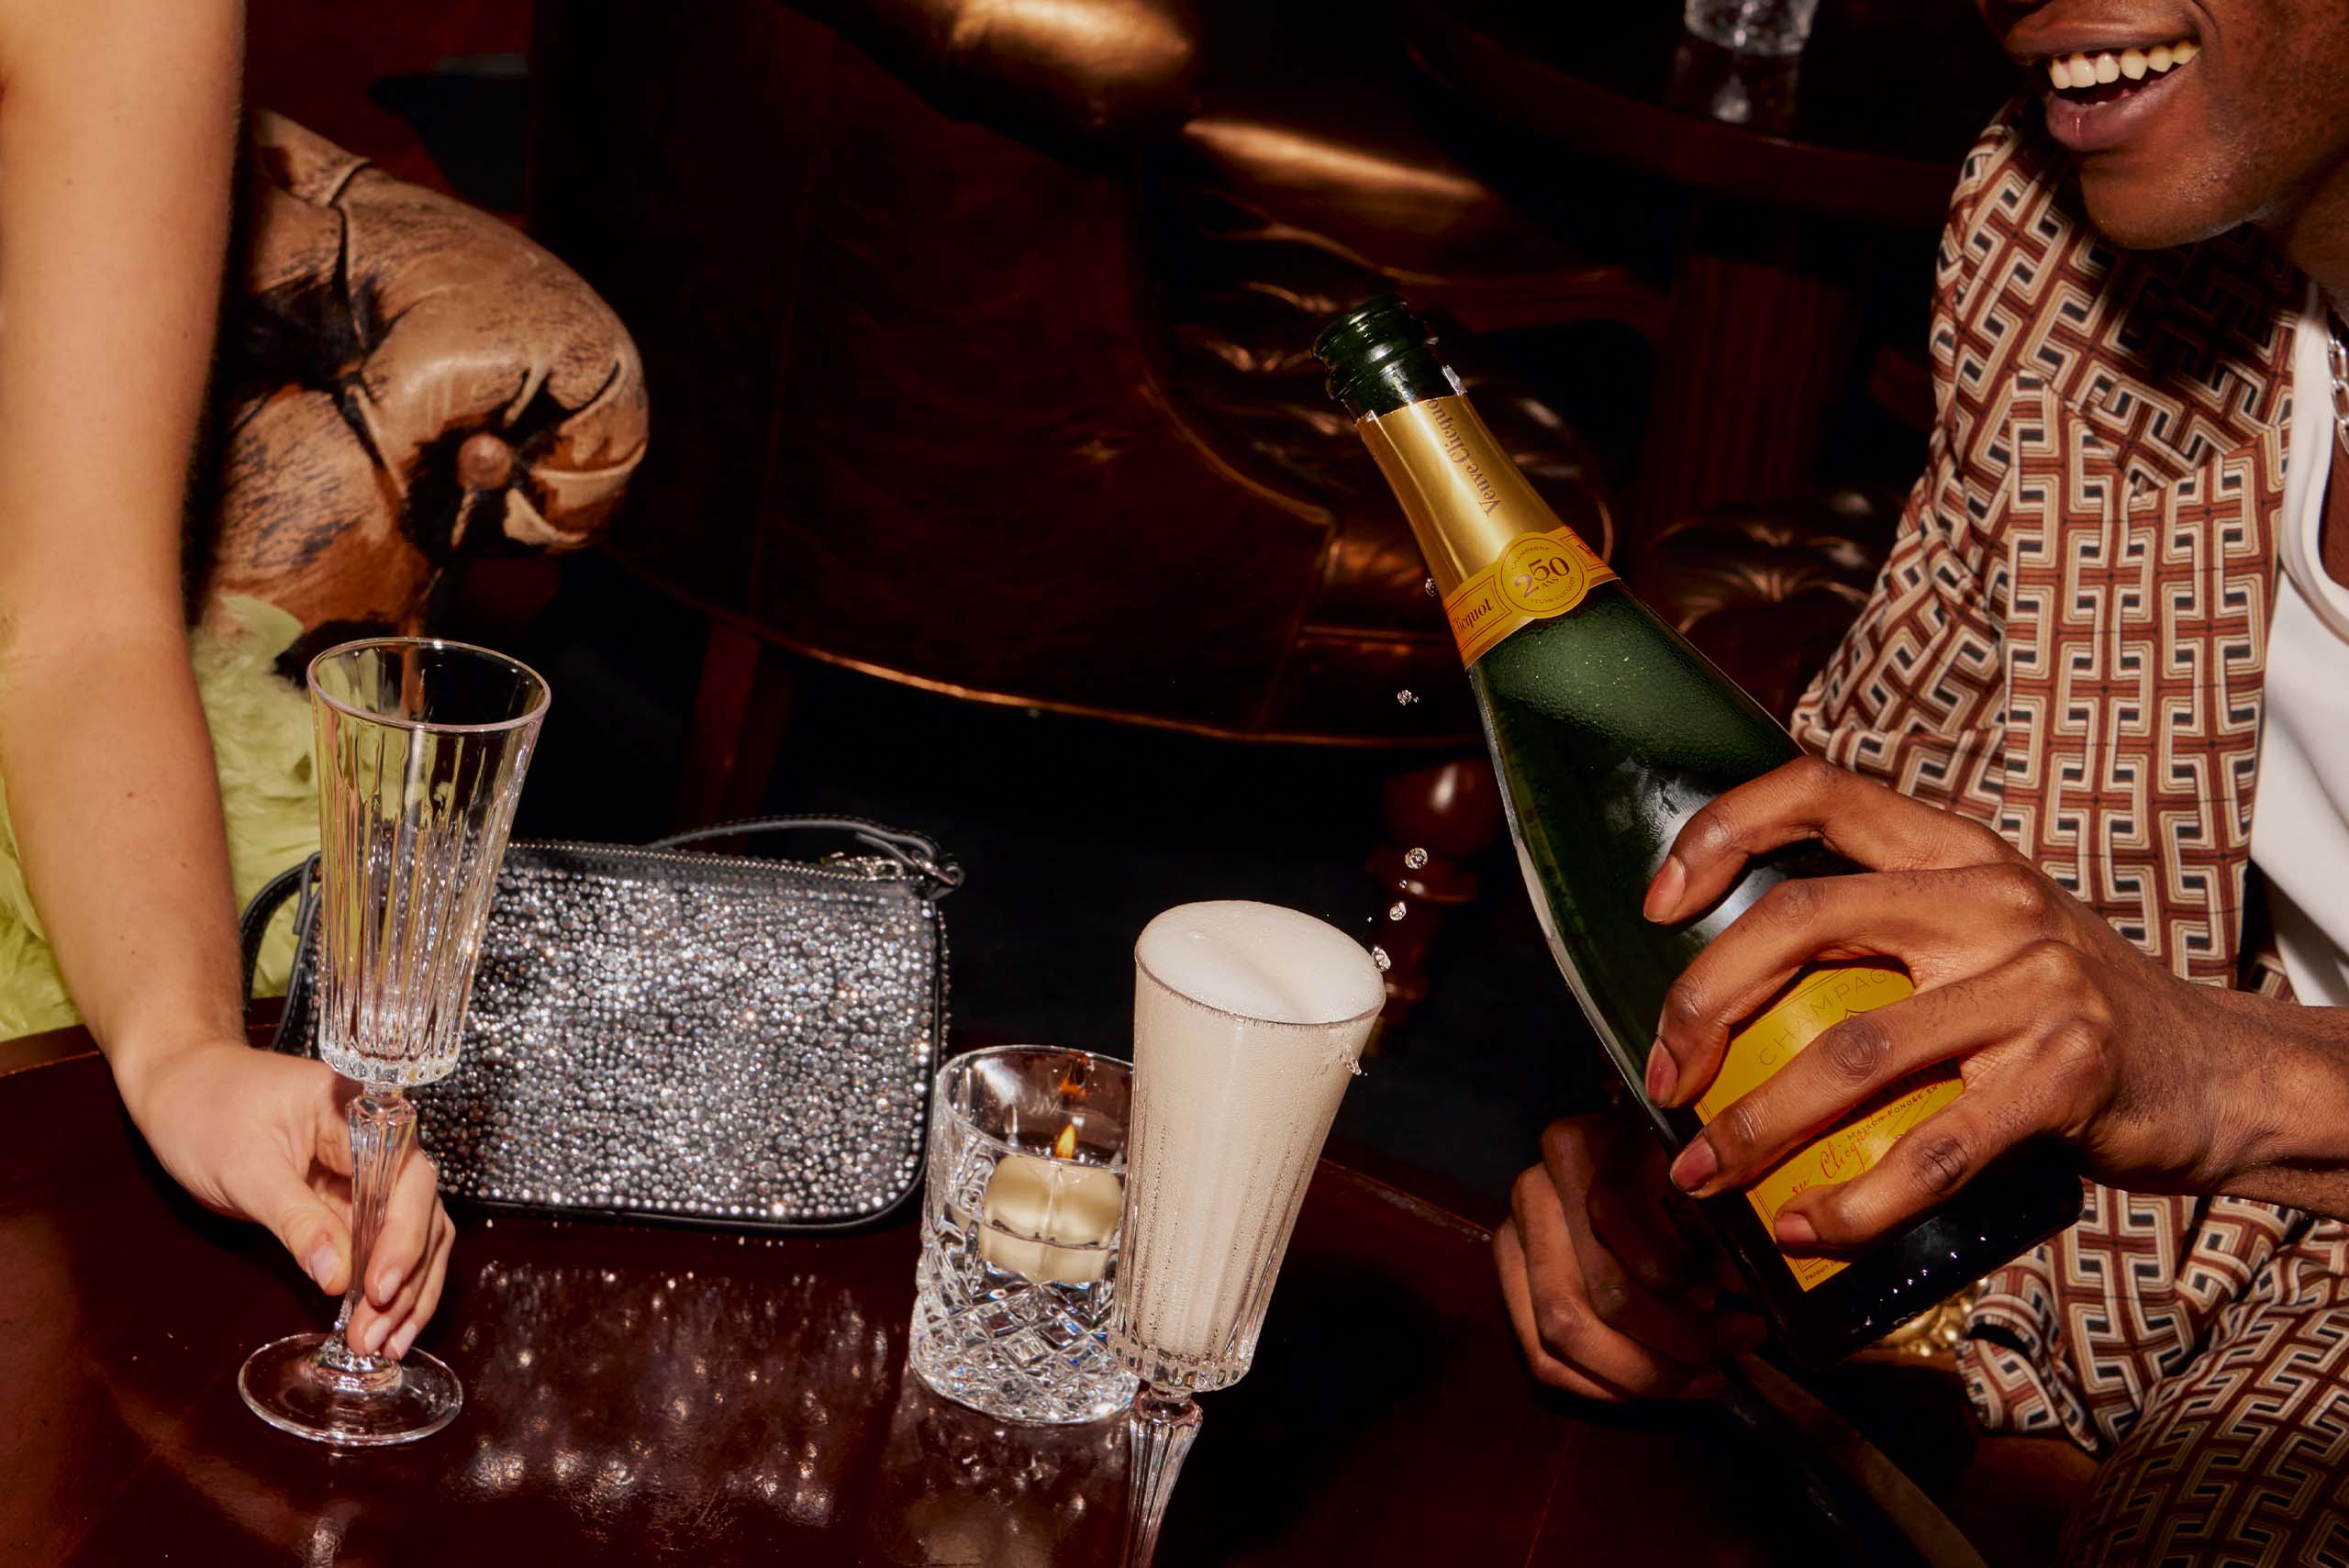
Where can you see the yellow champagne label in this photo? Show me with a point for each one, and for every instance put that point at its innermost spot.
(1816, 1002)
(1538, 576)
(1501, 557)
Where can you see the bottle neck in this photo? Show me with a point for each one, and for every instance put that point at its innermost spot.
(1413, 375)
(1465, 497)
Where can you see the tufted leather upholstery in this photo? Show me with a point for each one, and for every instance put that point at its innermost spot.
(1106, 70)
(403, 380)
(1766, 591)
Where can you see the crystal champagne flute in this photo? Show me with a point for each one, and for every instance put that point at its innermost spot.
(1249, 1020)
(421, 748)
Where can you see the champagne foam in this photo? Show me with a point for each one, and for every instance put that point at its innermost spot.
(1262, 961)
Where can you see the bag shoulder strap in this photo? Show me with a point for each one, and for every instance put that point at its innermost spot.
(299, 882)
(252, 927)
(913, 851)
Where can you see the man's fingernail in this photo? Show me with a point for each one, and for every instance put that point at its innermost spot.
(1695, 1165)
(322, 1261)
(387, 1284)
(1662, 1075)
(1706, 1385)
(400, 1343)
(370, 1343)
(1664, 892)
(1794, 1231)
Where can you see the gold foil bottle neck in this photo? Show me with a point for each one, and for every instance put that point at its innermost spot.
(1500, 556)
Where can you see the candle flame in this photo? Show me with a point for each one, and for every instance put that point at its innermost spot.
(1064, 1146)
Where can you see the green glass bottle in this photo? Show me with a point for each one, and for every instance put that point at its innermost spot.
(1609, 731)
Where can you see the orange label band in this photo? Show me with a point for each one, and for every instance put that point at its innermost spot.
(1537, 577)
(1819, 1001)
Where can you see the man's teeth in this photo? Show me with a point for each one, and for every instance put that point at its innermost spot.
(2096, 70)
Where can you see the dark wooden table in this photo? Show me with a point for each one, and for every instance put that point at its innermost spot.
(639, 1394)
(1794, 169)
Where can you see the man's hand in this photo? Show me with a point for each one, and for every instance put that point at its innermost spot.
(2057, 1025)
(1611, 1298)
(263, 1136)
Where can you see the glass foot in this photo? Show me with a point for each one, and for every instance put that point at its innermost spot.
(352, 1401)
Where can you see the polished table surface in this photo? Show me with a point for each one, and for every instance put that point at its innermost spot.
(641, 1395)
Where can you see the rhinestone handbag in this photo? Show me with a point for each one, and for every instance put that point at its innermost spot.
(663, 1034)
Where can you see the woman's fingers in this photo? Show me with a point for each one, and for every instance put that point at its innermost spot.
(274, 1194)
(403, 1302)
(399, 1250)
(1938, 923)
(1845, 1067)
(1863, 821)
(331, 1137)
(414, 1307)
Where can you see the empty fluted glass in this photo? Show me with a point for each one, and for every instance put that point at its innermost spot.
(421, 749)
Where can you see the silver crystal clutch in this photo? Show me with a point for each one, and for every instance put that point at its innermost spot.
(659, 1033)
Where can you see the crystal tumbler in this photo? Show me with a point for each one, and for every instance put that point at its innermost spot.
(1020, 1235)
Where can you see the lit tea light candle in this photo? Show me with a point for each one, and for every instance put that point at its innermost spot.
(1051, 1219)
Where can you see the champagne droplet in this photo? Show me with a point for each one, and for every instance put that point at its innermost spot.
(1414, 859)
(1399, 911)
(1378, 956)
(1431, 586)
(1406, 698)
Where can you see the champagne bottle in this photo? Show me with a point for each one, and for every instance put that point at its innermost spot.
(1609, 731)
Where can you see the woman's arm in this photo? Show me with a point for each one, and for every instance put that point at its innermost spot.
(117, 133)
(118, 138)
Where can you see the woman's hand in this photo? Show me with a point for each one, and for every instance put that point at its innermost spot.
(263, 1136)
(2056, 1024)
(1610, 1296)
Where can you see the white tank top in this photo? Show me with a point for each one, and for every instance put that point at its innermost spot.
(2300, 830)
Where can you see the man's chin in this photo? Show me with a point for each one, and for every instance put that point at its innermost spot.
(2145, 209)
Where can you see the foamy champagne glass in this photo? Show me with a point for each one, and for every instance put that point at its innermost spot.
(421, 748)
(1249, 1020)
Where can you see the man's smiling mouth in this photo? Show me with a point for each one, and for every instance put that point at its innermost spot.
(2094, 76)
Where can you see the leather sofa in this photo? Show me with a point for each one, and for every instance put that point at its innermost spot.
(982, 331)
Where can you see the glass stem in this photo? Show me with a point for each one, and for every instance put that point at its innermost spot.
(383, 1125)
(1159, 1432)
